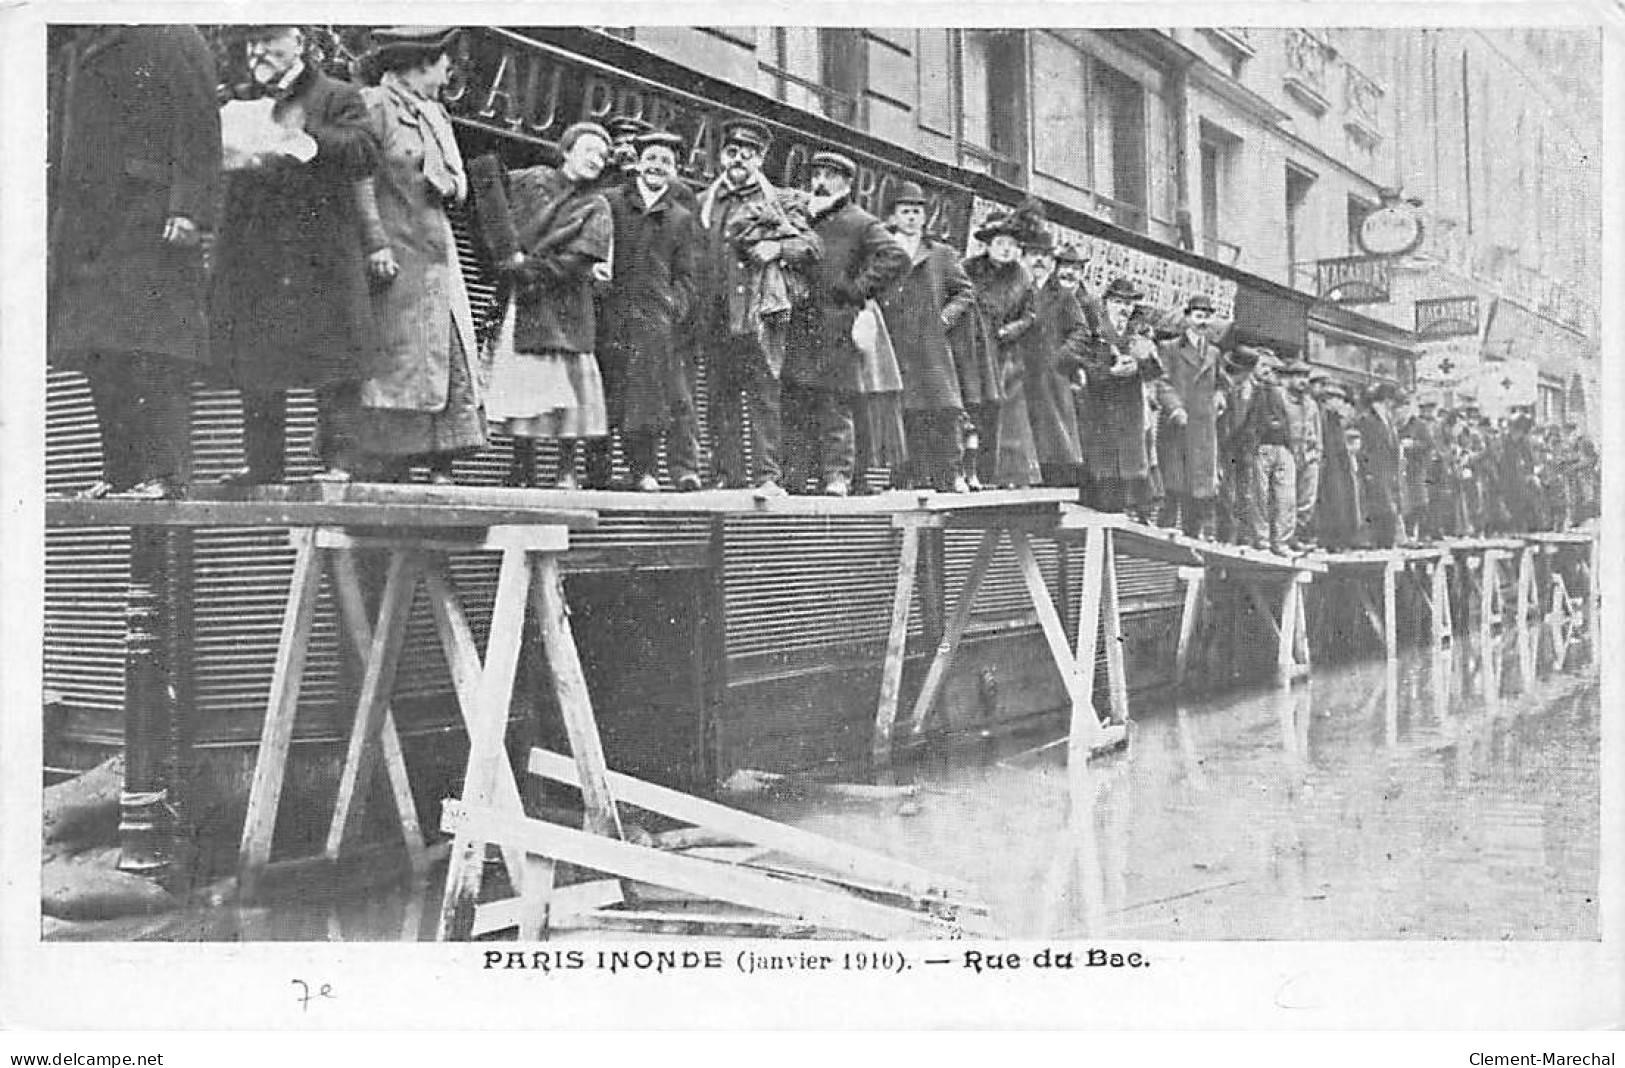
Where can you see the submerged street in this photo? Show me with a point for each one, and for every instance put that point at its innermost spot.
(1446, 795)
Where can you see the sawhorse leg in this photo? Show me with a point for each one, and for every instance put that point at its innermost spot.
(1442, 624)
(1085, 726)
(1526, 596)
(937, 673)
(891, 671)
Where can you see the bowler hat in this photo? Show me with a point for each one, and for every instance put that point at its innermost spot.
(1123, 288)
(746, 132)
(1039, 240)
(1200, 302)
(1069, 254)
(1295, 367)
(627, 127)
(906, 193)
(834, 161)
(1249, 356)
(663, 138)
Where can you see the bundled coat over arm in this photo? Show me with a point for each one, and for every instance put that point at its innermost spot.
(1114, 434)
(292, 305)
(565, 230)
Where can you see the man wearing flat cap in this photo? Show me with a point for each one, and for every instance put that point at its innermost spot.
(754, 235)
(1308, 446)
(1188, 438)
(134, 151)
(1235, 519)
(291, 302)
(926, 302)
(1266, 440)
(822, 363)
(649, 386)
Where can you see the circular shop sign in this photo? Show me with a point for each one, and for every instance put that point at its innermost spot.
(1391, 230)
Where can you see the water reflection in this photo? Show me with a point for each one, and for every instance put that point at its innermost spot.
(1452, 793)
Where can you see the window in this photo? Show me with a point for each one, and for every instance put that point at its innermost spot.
(1119, 141)
(1298, 184)
(1358, 210)
(1219, 151)
(1060, 138)
(992, 87)
(933, 51)
(818, 69)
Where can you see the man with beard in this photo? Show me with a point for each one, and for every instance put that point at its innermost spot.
(292, 306)
(1188, 445)
(926, 302)
(1052, 350)
(1115, 366)
(649, 387)
(822, 362)
(744, 359)
(135, 174)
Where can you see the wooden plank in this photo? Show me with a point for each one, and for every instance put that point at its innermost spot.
(352, 606)
(269, 513)
(1050, 622)
(1489, 590)
(1189, 618)
(1390, 611)
(891, 671)
(937, 673)
(532, 538)
(1526, 583)
(1594, 594)
(487, 725)
(377, 681)
(839, 857)
(1439, 611)
(282, 706)
(574, 701)
(1261, 606)
(1287, 636)
(704, 878)
(1369, 608)
(1112, 633)
(1300, 631)
(1089, 609)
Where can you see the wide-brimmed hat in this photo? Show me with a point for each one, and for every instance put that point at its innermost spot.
(906, 193)
(834, 161)
(404, 47)
(1039, 240)
(1002, 223)
(1123, 288)
(746, 132)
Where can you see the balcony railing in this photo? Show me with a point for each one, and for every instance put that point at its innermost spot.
(1220, 250)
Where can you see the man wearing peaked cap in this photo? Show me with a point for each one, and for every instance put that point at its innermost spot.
(749, 133)
(928, 299)
(823, 368)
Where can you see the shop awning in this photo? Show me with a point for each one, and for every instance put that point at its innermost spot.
(1273, 319)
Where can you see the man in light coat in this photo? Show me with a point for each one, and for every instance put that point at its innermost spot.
(1304, 425)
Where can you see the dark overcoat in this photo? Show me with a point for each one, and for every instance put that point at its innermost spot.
(1380, 459)
(291, 302)
(1339, 518)
(650, 294)
(1051, 350)
(134, 139)
(1114, 430)
(567, 232)
(860, 259)
(1189, 455)
(985, 343)
(920, 308)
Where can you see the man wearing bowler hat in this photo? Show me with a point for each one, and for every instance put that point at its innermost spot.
(822, 363)
(742, 375)
(1187, 441)
(649, 387)
(925, 302)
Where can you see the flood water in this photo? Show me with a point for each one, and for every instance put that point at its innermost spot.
(1450, 794)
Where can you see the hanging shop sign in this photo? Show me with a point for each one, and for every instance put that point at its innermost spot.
(1395, 229)
(1447, 317)
(1354, 280)
(1168, 285)
(530, 91)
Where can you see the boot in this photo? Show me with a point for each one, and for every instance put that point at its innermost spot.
(973, 481)
(566, 479)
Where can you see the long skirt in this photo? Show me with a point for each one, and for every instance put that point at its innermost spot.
(550, 394)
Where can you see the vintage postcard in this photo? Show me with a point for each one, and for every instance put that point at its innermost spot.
(972, 516)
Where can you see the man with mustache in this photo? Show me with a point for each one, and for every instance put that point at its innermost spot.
(822, 362)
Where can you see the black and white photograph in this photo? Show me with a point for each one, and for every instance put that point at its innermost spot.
(1005, 519)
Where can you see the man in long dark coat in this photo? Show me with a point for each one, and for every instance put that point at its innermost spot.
(1116, 365)
(649, 387)
(1381, 462)
(1188, 440)
(291, 306)
(135, 171)
(920, 308)
(822, 363)
(1420, 439)
(742, 375)
(1053, 349)
(1339, 518)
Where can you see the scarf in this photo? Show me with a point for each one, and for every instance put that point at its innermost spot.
(442, 162)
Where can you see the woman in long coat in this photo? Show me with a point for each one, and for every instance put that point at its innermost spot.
(1004, 313)
(1052, 350)
(421, 403)
(921, 308)
(1114, 454)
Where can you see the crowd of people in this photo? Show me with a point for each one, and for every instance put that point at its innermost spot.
(297, 236)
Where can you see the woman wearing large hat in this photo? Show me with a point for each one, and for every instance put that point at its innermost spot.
(421, 402)
(991, 354)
